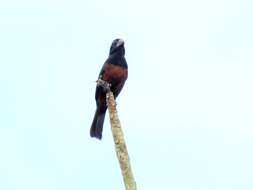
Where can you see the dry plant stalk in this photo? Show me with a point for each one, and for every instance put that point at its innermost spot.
(120, 145)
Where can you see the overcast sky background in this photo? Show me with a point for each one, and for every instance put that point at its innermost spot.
(186, 108)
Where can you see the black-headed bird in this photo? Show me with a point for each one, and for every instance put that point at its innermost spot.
(114, 72)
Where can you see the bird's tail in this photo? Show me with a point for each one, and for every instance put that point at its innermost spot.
(97, 124)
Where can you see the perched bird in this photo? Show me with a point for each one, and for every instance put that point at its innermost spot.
(115, 72)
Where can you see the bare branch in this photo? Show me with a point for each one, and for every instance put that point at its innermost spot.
(120, 145)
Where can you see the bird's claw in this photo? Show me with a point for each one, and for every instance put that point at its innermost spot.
(104, 84)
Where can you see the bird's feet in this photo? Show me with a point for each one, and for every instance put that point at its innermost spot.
(106, 85)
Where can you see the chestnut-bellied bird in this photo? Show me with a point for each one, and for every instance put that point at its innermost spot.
(114, 72)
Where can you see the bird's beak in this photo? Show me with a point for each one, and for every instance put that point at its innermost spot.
(120, 42)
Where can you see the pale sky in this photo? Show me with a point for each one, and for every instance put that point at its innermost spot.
(186, 108)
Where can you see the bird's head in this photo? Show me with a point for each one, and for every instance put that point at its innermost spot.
(117, 46)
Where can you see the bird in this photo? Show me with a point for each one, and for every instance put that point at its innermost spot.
(115, 72)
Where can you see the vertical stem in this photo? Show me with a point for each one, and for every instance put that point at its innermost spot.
(120, 145)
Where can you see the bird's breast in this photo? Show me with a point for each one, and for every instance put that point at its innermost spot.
(114, 73)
